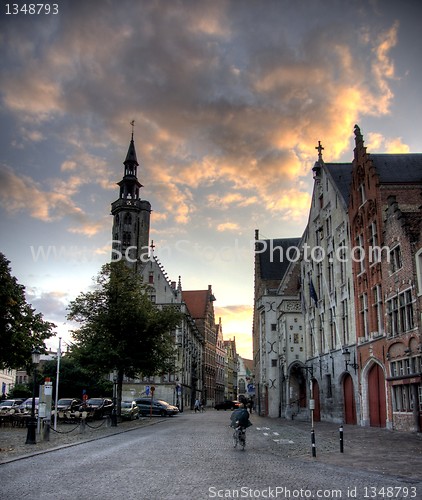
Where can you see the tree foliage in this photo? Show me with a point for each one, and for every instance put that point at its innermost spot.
(74, 379)
(121, 328)
(21, 328)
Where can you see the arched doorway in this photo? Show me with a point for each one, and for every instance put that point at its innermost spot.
(315, 395)
(376, 397)
(349, 400)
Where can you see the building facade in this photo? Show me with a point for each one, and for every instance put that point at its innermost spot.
(328, 296)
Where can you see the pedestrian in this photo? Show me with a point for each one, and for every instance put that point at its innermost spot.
(197, 405)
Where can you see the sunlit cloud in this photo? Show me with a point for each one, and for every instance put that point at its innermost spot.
(228, 226)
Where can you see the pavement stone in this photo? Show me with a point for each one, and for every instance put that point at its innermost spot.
(365, 448)
(12, 439)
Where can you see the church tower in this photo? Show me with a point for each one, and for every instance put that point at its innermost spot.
(131, 216)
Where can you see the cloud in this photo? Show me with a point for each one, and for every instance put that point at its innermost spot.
(377, 142)
(20, 193)
(228, 226)
(212, 103)
(52, 305)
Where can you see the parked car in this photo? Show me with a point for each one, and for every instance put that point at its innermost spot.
(65, 405)
(97, 407)
(159, 407)
(26, 406)
(227, 405)
(10, 404)
(129, 410)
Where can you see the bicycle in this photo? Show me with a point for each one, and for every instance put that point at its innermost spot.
(239, 436)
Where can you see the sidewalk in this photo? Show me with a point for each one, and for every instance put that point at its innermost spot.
(364, 448)
(12, 439)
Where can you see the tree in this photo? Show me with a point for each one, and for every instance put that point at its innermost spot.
(21, 328)
(74, 379)
(121, 329)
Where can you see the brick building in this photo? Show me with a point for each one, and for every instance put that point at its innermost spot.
(200, 304)
(385, 216)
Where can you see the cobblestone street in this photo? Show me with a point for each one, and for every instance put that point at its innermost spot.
(191, 456)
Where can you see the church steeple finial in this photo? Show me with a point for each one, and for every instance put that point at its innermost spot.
(320, 148)
(131, 153)
(133, 127)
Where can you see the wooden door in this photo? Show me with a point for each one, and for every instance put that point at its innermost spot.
(349, 401)
(376, 397)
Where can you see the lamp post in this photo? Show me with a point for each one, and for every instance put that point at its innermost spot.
(346, 354)
(114, 411)
(32, 422)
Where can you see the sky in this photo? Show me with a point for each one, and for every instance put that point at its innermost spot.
(229, 99)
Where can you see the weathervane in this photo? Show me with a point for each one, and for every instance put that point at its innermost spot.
(133, 127)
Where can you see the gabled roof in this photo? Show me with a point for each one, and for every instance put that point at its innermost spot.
(400, 168)
(273, 261)
(196, 301)
(341, 175)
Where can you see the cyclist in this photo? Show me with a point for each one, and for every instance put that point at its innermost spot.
(239, 420)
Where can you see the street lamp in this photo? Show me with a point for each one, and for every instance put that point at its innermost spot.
(32, 422)
(346, 354)
(114, 412)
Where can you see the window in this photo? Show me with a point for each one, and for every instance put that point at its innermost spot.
(420, 397)
(393, 369)
(364, 314)
(378, 308)
(419, 270)
(273, 327)
(342, 257)
(395, 259)
(126, 238)
(409, 310)
(332, 330)
(362, 194)
(330, 272)
(401, 398)
(328, 226)
(392, 314)
(400, 313)
(127, 221)
(273, 363)
(374, 256)
(345, 322)
(359, 254)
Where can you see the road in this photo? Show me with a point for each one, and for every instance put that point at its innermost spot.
(189, 457)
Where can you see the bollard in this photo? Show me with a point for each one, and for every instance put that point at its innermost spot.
(341, 439)
(313, 443)
(46, 430)
(82, 426)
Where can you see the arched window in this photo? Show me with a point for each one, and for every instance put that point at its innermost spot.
(127, 220)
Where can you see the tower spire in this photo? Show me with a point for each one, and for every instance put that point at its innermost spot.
(131, 214)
